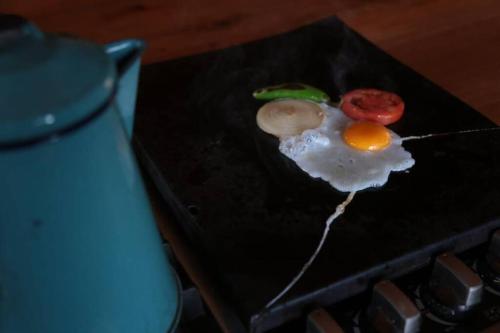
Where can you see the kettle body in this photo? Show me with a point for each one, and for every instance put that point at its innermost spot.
(79, 248)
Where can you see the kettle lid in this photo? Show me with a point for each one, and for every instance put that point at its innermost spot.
(48, 83)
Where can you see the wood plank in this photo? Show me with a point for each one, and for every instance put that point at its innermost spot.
(453, 43)
(175, 28)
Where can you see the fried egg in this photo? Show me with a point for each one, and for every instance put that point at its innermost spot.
(350, 155)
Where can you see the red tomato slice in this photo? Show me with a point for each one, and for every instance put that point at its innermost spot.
(374, 105)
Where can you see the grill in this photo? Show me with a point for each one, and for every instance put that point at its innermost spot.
(253, 217)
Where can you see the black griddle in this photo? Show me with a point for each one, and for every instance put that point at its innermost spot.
(254, 217)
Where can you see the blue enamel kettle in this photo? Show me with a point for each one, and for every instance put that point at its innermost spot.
(79, 249)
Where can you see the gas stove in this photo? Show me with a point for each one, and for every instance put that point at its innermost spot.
(409, 255)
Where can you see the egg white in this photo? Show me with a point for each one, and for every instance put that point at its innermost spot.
(322, 153)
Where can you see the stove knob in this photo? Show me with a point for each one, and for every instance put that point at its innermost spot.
(453, 289)
(489, 266)
(493, 255)
(391, 310)
(320, 321)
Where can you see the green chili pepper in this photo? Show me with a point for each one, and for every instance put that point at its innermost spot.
(293, 91)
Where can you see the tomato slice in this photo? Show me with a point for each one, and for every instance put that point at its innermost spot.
(373, 105)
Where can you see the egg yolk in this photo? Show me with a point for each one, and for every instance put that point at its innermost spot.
(367, 136)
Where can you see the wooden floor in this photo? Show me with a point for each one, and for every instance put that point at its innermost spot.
(455, 43)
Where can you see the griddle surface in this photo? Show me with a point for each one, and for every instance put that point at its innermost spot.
(254, 217)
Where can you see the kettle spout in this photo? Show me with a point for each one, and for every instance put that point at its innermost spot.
(127, 56)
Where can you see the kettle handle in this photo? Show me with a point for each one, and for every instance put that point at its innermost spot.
(126, 55)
